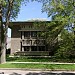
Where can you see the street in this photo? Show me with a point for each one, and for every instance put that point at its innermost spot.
(29, 72)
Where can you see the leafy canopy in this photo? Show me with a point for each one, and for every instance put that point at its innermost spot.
(16, 4)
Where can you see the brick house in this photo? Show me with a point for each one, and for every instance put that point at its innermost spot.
(25, 39)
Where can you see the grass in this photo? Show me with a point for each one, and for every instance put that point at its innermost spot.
(39, 66)
(36, 59)
(27, 59)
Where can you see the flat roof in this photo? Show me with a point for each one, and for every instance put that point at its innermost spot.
(26, 22)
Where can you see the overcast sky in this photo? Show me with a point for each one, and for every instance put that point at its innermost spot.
(31, 11)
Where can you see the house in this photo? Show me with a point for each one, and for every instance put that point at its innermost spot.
(8, 45)
(8, 42)
(26, 41)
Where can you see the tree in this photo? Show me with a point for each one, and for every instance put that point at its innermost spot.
(8, 9)
(65, 45)
(61, 10)
(50, 32)
(2, 35)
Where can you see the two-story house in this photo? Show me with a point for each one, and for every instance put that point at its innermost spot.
(25, 39)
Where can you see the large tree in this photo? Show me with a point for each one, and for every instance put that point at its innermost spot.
(61, 10)
(9, 9)
(51, 29)
(65, 46)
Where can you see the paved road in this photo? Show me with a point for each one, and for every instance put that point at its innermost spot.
(29, 72)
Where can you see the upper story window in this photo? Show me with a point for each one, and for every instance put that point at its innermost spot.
(33, 34)
(22, 27)
(26, 34)
(30, 26)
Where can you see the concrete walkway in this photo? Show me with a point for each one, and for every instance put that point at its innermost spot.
(40, 62)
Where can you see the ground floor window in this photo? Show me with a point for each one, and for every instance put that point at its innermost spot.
(41, 48)
(26, 48)
(34, 48)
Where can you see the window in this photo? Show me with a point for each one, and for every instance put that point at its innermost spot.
(23, 26)
(26, 48)
(33, 34)
(26, 34)
(30, 26)
(41, 48)
(34, 48)
(41, 42)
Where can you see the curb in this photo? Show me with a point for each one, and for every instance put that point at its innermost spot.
(30, 69)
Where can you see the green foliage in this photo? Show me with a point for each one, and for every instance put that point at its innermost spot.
(64, 11)
(28, 59)
(60, 10)
(9, 10)
(15, 8)
(66, 43)
(51, 29)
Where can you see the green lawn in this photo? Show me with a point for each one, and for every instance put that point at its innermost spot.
(36, 59)
(39, 66)
(28, 59)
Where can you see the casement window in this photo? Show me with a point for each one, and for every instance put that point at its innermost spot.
(33, 34)
(26, 34)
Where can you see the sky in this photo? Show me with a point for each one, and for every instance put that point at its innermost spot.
(32, 10)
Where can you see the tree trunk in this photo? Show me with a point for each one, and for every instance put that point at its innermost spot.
(10, 4)
(2, 51)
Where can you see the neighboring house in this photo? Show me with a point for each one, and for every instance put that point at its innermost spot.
(25, 39)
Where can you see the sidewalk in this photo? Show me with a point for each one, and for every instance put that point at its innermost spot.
(40, 63)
